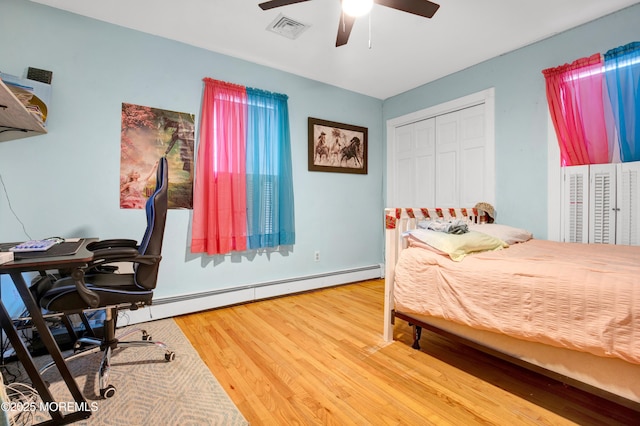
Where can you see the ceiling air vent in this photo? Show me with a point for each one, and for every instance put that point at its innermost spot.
(287, 27)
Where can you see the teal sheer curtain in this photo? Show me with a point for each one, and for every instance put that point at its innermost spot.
(622, 70)
(270, 209)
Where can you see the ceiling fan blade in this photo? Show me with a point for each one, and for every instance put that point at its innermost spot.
(344, 29)
(278, 3)
(417, 7)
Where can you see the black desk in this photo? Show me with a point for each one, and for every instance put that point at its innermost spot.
(15, 269)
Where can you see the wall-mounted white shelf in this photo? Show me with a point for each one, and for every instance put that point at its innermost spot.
(15, 120)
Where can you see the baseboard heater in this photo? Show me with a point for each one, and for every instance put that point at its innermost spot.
(188, 303)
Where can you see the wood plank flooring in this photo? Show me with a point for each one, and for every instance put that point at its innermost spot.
(318, 358)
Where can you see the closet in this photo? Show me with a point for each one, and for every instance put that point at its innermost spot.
(601, 204)
(442, 158)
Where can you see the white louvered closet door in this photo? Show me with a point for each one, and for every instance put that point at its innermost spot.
(575, 204)
(601, 204)
(628, 204)
(602, 194)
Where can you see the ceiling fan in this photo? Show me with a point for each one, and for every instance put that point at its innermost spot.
(423, 8)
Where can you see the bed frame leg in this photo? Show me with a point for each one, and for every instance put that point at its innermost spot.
(417, 332)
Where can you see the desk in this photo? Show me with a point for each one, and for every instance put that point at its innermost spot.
(15, 269)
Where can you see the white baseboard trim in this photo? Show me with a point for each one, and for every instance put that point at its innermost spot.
(180, 305)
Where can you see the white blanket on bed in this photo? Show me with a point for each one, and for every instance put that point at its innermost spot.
(579, 296)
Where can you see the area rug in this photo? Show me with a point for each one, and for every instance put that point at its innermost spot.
(150, 390)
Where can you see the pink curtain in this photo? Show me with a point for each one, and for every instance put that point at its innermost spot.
(576, 103)
(219, 202)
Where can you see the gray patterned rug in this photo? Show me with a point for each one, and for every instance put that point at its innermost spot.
(150, 390)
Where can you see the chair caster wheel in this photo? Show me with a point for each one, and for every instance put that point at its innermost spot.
(170, 356)
(108, 392)
(146, 337)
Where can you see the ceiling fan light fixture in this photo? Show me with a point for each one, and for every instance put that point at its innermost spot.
(356, 8)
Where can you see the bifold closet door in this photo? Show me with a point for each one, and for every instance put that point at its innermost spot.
(461, 157)
(601, 204)
(441, 161)
(415, 164)
(575, 204)
(628, 204)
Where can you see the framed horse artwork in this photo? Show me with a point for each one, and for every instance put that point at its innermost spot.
(337, 147)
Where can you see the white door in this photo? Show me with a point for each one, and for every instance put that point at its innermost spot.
(405, 183)
(475, 156)
(415, 164)
(441, 161)
(443, 156)
(602, 197)
(461, 157)
(447, 160)
(425, 163)
(628, 204)
(575, 204)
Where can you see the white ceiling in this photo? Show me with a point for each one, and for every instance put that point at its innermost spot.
(406, 50)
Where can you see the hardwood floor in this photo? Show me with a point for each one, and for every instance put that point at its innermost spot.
(319, 358)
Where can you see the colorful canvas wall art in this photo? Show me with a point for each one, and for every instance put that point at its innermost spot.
(146, 135)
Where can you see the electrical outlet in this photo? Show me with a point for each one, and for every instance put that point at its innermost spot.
(316, 256)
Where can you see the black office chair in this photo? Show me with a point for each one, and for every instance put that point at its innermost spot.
(95, 289)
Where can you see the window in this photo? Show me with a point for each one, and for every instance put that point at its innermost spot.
(598, 98)
(243, 196)
(594, 105)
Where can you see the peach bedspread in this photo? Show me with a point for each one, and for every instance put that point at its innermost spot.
(578, 296)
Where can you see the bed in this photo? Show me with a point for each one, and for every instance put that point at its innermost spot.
(566, 310)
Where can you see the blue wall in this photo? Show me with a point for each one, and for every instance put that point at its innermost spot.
(72, 184)
(521, 109)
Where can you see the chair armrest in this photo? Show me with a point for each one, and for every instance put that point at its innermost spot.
(91, 298)
(111, 255)
(118, 254)
(112, 243)
(148, 259)
(107, 256)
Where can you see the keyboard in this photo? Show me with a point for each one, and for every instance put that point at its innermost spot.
(35, 245)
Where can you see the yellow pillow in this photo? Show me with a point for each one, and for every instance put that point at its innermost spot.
(457, 246)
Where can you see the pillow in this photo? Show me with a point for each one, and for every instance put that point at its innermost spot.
(457, 246)
(506, 233)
